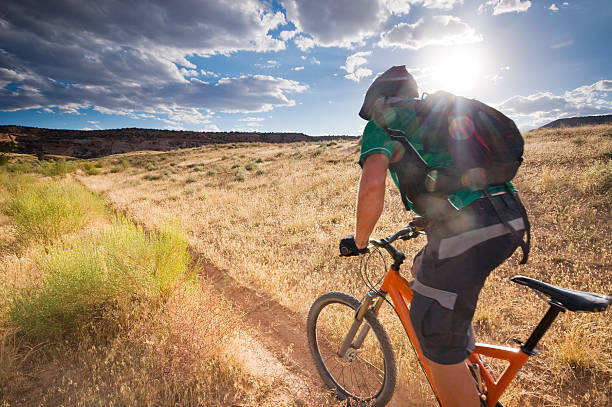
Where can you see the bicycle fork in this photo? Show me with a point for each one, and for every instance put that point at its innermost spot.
(370, 298)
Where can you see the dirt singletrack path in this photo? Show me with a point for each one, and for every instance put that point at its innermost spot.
(283, 334)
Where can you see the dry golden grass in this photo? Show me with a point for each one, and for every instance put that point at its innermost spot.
(177, 349)
(271, 215)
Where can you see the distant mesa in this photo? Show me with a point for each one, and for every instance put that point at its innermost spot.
(99, 143)
(580, 121)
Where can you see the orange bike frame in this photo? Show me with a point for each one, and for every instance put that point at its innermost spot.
(401, 294)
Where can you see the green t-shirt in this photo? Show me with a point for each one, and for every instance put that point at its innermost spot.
(376, 140)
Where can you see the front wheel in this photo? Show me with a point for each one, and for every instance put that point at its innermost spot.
(367, 373)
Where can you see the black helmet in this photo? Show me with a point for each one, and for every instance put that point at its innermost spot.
(395, 81)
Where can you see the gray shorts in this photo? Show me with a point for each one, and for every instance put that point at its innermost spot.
(460, 253)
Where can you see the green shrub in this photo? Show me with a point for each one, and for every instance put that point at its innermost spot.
(97, 283)
(47, 210)
(239, 175)
(152, 177)
(3, 159)
(115, 169)
(91, 169)
(56, 167)
(190, 180)
(598, 178)
(250, 167)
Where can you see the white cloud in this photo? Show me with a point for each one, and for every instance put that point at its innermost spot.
(209, 73)
(543, 107)
(304, 43)
(136, 60)
(189, 72)
(436, 30)
(210, 128)
(495, 78)
(342, 23)
(297, 68)
(251, 119)
(505, 6)
(439, 4)
(353, 66)
(562, 44)
(553, 7)
(287, 35)
(398, 7)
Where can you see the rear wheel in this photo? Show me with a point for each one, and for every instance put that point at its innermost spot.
(366, 375)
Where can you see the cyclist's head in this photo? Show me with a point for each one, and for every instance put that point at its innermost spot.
(395, 81)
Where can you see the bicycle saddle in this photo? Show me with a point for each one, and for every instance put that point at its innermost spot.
(573, 300)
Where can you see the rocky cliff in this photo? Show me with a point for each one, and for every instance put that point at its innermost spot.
(98, 143)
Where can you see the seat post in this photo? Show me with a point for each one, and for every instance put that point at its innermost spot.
(537, 334)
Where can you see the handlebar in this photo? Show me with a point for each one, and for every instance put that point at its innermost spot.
(407, 233)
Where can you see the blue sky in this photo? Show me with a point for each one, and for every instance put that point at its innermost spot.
(293, 65)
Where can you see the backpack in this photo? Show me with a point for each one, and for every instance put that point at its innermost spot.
(483, 146)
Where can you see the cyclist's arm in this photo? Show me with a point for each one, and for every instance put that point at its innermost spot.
(371, 196)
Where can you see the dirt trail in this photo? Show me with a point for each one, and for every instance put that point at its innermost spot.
(283, 334)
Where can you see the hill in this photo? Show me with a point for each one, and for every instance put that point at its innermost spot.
(579, 121)
(100, 143)
(268, 244)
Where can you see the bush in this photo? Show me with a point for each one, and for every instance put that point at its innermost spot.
(91, 169)
(239, 175)
(56, 167)
(250, 167)
(598, 178)
(3, 159)
(97, 283)
(47, 210)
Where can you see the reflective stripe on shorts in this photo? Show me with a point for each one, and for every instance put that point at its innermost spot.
(445, 298)
(455, 245)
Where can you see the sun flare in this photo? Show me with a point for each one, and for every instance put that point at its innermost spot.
(456, 71)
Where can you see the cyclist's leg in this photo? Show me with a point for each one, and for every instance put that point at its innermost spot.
(455, 385)
(454, 264)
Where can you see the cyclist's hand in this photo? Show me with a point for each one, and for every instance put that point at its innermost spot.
(418, 222)
(348, 247)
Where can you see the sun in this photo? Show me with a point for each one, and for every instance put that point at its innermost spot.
(456, 71)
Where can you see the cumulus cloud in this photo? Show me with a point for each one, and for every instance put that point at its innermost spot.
(304, 43)
(287, 35)
(553, 7)
(436, 30)
(342, 23)
(128, 59)
(505, 6)
(543, 107)
(398, 7)
(439, 4)
(353, 66)
(251, 119)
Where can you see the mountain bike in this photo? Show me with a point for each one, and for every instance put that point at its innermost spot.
(354, 355)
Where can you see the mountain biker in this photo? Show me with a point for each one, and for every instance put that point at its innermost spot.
(466, 240)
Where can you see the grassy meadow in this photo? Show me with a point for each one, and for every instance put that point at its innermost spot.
(94, 310)
(271, 216)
